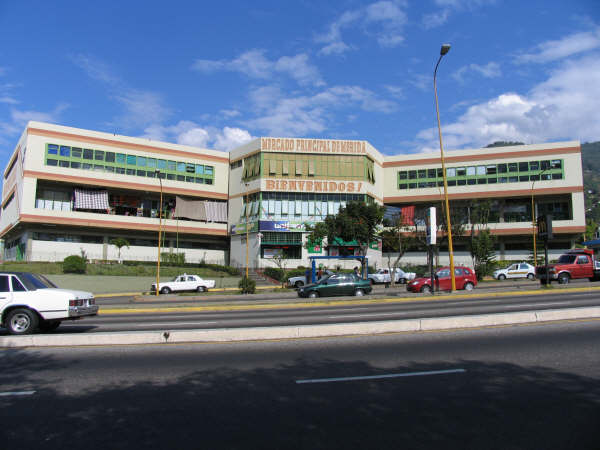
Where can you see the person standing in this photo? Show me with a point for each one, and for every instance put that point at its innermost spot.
(356, 271)
(307, 274)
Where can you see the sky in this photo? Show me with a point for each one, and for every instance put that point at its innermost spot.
(217, 74)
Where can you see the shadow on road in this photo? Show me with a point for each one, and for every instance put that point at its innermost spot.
(490, 406)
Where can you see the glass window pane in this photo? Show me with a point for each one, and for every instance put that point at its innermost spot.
(120, 158)
(512, 167)
(151, 162)
(51, 162)
(109, 157)
(451, 172)
(171, 165)
(471, 170)
(162, 164)
(99, 155)
(75, 152)
(189, 168)
(480, 170)
(199, 169)
(502, 168)
(208, 170)
(141, 161)
(75, 165)
(490, 170)
(65, 151)
(52, 149)
(88, 153)
(131, 160)
(534, 165)
(180, 167)
(523, 166)
(412, 174)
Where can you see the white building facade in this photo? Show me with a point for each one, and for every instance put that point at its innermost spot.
(68, 191)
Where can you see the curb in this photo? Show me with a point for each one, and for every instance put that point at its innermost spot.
(300, 332)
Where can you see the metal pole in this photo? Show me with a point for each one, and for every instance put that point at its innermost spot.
(431, 269)
(448, 224)
(247, 232)
(533, 227)
(546, 258)
(159, 231)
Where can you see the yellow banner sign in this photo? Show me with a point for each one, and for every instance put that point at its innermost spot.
(312, 145)
(313, 186)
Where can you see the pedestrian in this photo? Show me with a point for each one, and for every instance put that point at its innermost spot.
(356, 271)
(320, 273)
(307, 274)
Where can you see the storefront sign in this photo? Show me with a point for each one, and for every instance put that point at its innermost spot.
(274, 225)
(312, 145)
(270, 253)
(240, 228)
(313, 186)
(315, 247)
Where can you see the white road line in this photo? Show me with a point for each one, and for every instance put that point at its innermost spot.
(377, 377)
(15, 393)
(368, 315)
(538, 304)
(173, 324)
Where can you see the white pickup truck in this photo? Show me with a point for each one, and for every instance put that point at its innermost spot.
(183, 283)
(383, 276)
(30, 302)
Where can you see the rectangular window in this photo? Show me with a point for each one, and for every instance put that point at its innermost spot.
(513, 167)
(88, 153)
(480, 170)
(151, 162)
(190, 168)
(431, 173)
(65, 151)
(131, 160)
(403, 175)
(471, 181)
(403, 186)
(109, 168)
(180, 178)
(502, 180)
(557, 176)
(311, 167)
(523, 177)
(86, 166)
(440, 173)
(130, 171)
(286, 167)
(412, 174)
(189, 179)
(556, 164)
(524, 166)
(490, 170)
(109, 157)
(141, 161)
(52, 149)
(120, 170)
(451, 182)
(63, 163)
(180, 167)
(98, 168)
(461, 171)
(140, 173)
(492, 180)
(75, 165)
(513, 179)
(170, 176)
(481, 181)
(298, 167)
(461, 182)
(99, 155)
(120, 158)
(451, 172)
(534, 165)
(208, 170)
(502, 168)
(422, 173)
(412, 185)
(171, 165)
(199, 169)
(534, 178)
(272, 167)
(545, 165)
(51, 162)
(75, 152)
(199, 180)
(162, 164)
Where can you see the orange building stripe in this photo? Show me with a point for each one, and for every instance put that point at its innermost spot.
(128, 145)
(121, 184)
(483, 156)
(30, 218)
(489, 194)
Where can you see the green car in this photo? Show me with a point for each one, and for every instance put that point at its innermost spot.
(336, 284)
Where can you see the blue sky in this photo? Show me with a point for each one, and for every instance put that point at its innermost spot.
(216, 74)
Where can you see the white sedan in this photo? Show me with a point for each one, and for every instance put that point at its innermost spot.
(383, 276)
(518, 270)
(183, 283)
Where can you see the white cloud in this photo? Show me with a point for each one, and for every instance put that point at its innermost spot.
(189, 133)
(9, 100)
(563, 48)
(395, 91)
(562, 107)
(229, 113)
(279, 115)
(447, 7)
(254, 64)
(384, 19)
(490, 70)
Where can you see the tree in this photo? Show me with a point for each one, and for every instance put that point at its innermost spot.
(280, 261)
(357, 221)
(119, 243)
(481, 240)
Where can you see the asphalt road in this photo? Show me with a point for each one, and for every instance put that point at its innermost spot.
(443, 307)
(525, 387)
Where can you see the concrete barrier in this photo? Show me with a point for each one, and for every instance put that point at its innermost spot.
(297, 331)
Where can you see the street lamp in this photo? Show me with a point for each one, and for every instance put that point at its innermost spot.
(247, 232)
(533, 220)
(445, 49)
(157, 171)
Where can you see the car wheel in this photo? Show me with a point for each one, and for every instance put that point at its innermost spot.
(530, 276)
(426, 289)
(313, 294)
(371, 281)
(359, 293)
(563, 278)
(200, 289)
(501, 277)
(299, 284)
(469, 286)
(22, 321)
(165, 290)
(49, 325)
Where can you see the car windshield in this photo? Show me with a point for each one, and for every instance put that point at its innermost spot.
(324, 279)
(566, 259)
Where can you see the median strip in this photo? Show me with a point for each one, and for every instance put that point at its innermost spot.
(300, 331)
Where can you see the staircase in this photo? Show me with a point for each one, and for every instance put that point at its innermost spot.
(259, 278)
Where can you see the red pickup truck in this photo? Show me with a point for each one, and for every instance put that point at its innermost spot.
(577, 263)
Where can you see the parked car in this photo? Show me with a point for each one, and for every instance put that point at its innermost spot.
(574, 264)
(518, 270)
(30, 302)
(383, 276)
(300, 281)
(336, 284)
(183, 283)
(464, 278)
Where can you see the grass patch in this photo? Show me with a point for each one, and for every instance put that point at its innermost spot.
(49, 268)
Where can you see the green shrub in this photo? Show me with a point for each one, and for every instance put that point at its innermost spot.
(172, 259)
(276, 273)
(247, 285)
(74, 264)
(219, 268)
(299, 272)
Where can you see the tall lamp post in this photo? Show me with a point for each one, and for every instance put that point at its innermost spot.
(533, 220)
(445, 49)
(247, 232)
(157, 171)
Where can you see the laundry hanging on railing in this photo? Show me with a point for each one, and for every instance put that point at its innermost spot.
(201, 210)
(89, 199)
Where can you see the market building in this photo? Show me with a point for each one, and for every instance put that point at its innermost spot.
(67, 190)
